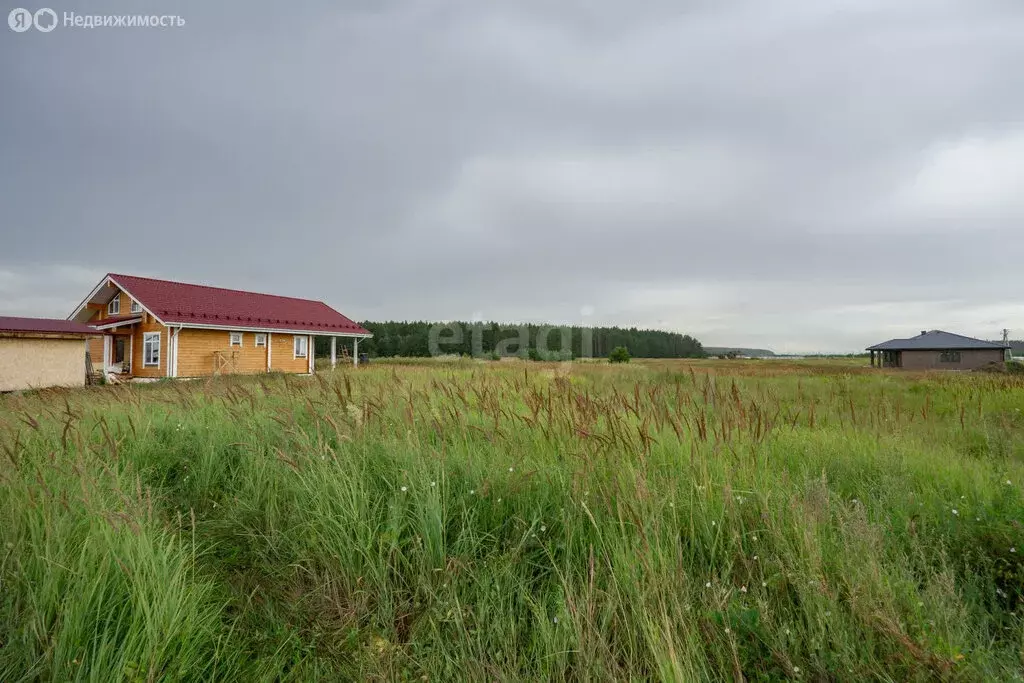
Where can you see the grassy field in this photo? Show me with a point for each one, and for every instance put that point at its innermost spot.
(667, 520)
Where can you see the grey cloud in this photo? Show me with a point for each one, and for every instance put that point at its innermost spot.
(803, 173)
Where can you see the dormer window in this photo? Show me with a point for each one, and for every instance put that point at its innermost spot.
(136, 306)
(114, 307)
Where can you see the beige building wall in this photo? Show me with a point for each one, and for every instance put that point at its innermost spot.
(969, 359)
(35, 363)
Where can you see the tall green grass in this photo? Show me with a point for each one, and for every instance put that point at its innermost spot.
(672, 521)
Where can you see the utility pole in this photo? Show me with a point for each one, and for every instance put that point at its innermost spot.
(1007, 353)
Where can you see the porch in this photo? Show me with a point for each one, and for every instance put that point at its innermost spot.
(115, 363)
(887, 359)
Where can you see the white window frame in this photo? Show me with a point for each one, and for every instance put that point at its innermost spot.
(261, 339)
(114, 306)
(296, 345)
(148, 339)
(135, 307)
(233, 336)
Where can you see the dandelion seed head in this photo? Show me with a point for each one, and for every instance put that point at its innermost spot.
(510, 469)
(764, 584)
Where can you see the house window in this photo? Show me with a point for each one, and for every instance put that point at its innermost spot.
(949, 357)
(261, 340)
(301, 346)
(136, 307)
(114, 307)
(151, 350)
(236, 338)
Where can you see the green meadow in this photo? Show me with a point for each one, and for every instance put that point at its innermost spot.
(516, 521)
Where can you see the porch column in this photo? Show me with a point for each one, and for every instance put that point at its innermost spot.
(355, 351)
(872, 359)
(311, 354)
(334, 352)
(106, 355)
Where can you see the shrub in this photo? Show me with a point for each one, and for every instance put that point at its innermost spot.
(1015, 367)
(620, 354)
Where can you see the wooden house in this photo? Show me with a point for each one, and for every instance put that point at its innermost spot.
(160, 328)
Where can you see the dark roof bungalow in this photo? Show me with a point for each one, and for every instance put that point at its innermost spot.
(937, 350)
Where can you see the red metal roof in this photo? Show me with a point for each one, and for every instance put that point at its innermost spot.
(177, 302)
(44, 325)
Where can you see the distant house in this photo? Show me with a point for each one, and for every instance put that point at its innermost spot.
(39, 352)
(160, 328)
(937, 350)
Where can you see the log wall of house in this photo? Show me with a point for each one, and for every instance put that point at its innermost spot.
(283, 359)
(197, 351)
(148, 324)
(100, 310)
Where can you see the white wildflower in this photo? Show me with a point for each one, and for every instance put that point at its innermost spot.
(404, 489)
(1013, 550)
(543, 528)
(764, 584)
(955, 511)
(556, 620)
(743, 589)
(433, 483)
(796, 669)
(510, 469)
(707, 585)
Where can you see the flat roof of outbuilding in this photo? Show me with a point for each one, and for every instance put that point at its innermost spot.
(44, 326)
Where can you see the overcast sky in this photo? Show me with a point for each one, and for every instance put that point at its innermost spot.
(806, 175)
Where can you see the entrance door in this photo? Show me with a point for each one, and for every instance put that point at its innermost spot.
(119, 349)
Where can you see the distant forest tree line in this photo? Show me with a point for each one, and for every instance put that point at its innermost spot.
(416, 339)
